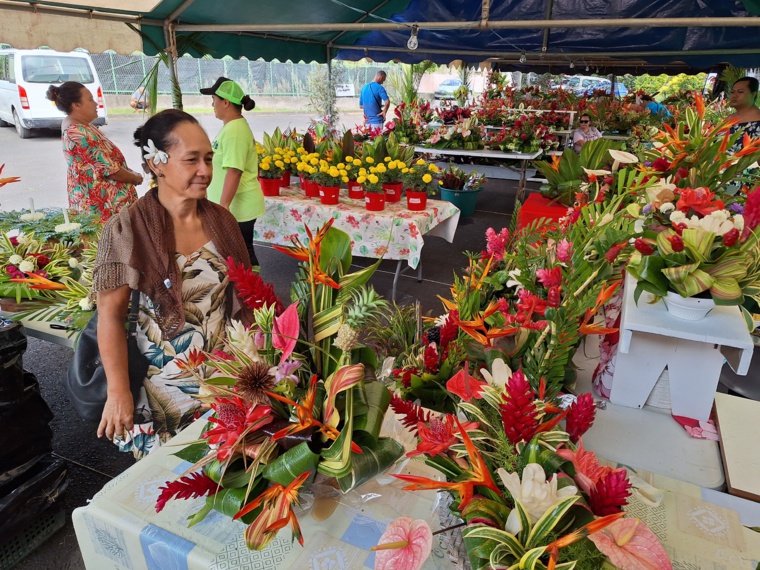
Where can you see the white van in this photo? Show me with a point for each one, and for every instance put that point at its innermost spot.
(25, 76)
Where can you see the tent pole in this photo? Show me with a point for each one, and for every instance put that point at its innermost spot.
(170, 39)
(547, 16)
(485, 12)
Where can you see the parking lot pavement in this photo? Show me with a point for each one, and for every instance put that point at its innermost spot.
(39, 162)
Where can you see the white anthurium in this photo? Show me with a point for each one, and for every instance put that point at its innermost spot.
(590, 171)
(242, 339)
(73, 262)
(605, 219)
(499, 375)
(712, 224)
(534, 493)
(621, 157)
(15, 259)
(638, 225)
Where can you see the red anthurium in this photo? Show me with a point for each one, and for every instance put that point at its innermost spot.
(465, 386)
(285, 331)
(631, 545)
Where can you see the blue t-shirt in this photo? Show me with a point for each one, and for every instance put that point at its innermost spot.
(657, 109)
(372, 96)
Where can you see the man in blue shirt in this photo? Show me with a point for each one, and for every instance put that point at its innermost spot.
(654, 108)
(374, 101)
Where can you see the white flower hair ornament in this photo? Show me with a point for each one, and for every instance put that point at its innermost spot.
(152, 153)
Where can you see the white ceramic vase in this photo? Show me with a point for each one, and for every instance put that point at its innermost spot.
(688, 308)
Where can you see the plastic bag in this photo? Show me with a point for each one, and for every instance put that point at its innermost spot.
(12, 347)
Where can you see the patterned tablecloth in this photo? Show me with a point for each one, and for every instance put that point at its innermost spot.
(394, 233)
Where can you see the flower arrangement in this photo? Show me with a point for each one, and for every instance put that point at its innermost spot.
(49, 225)
(421, 176)
(692, 244)
(523, 486)
(364, 133)
(288, 396)
(449, 115)
(464, 133)
(410, 122)
(454, 178)
(527, 134)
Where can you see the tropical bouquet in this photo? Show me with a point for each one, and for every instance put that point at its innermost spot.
(528, 492)
(410, 122)
(694, 245)
(527, 134)
(464, 133)
(454, 178)
(421, 176)
(364, 133)
(449, 115)
(288, 393)
(51, 225)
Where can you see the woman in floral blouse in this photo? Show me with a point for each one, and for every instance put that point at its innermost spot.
(97, 178)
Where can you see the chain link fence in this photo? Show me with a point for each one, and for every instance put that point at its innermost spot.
(122, 74)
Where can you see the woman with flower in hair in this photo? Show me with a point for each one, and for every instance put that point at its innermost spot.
(171, 246)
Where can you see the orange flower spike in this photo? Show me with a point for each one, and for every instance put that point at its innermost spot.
(482, 476)
(584, 531)
(699, 103)
(724, 144)
(605, 294)
(4, 181)
(40, 283)
(555, 163)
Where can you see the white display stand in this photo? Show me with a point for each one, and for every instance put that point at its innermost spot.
(693, 351)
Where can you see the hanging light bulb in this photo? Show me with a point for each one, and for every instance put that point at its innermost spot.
(597, 70)
(572, 65)
(523, 58)
(587, 68)
(412, 43)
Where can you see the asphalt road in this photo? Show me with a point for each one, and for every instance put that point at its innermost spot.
(39, 161)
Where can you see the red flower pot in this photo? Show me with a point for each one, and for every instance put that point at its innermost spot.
(285, 180)
(311, 188)
(393, 191)
(328, 195)
(270, 186)
(355, 190)
(416, 200)
(374, 201)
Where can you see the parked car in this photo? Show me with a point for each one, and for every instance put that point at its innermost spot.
(25, 76)
(620, 89)
(447, 89)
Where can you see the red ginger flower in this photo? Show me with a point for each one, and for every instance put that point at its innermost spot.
(610, 494)
(550, 277)
(580, 416)
(252, 289)
(431, 359)
(518, 411)
(751, 212)
(643, 246)
(196, 484)
(413, 414)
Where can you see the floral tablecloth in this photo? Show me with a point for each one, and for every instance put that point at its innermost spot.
(394, 233)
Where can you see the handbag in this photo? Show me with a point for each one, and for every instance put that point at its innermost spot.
(86, 382)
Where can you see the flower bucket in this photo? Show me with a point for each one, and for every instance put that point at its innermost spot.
(465, 201)
(270, 186)
(688, 308)
(355, 190)
(374, 201)
(311, 188)
(328, 195)
(285, 180)
(393, 191)
(416, 200)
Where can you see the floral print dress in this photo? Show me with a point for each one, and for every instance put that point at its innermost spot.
(90, 158)
(167, 404)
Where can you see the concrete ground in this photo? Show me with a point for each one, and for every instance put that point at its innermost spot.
(93, 462)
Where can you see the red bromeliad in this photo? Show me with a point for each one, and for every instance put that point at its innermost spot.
(479, 475)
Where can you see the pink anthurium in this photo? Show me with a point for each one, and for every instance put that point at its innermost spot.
(631, 545)
(406, 543)
(285, 331)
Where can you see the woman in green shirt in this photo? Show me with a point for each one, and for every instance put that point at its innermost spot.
(235, 183)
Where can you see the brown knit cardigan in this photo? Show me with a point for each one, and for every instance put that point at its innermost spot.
(137, 248)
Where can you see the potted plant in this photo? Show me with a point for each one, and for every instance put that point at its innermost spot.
(355, 190)
(270, 174)
(420, 180)
(695, 253)
(308, 168)
(329, 178)
(390, 174)
(374, 195)
(461, 189)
